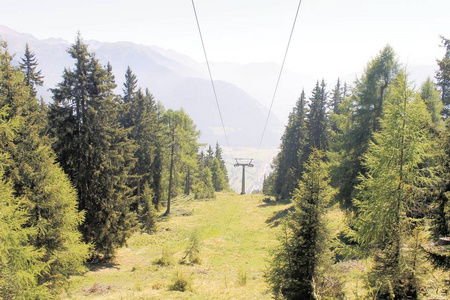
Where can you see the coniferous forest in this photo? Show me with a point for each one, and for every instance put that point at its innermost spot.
(80, 175)
(84, 171)
(378, 150)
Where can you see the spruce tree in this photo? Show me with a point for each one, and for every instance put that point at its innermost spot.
(317, 122)
(443, 77)
(28, 65)
(295, 262)
(50, 200)
(94, 150)
(219, 155)
(391, 189)
(289, 163)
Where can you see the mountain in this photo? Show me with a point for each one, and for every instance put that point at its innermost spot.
(174, 79)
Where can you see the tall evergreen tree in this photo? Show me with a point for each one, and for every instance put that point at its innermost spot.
(316, 124)
(336, 100)
(219, 155)
(50, 199)
(288, 166)
(295, 263)
(93, 149)
(364, 109)
(430, 95)
(391, 190)
(443, 77)
(28, 65)
(20, 262)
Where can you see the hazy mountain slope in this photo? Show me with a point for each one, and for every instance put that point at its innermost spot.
(175, 83)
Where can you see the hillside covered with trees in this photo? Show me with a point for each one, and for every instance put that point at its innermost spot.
(83, 175)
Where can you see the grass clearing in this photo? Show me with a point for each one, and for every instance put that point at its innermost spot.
(234, 232)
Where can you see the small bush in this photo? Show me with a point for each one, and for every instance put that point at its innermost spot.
(242, 277)
(192, 253)
(166, 258)
(181, 283)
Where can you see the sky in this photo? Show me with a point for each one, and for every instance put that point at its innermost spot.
(332, 37)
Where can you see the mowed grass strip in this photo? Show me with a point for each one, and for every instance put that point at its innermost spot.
(235, 232)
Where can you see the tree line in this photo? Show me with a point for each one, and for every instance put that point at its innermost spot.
(81, 174)
(379, 149)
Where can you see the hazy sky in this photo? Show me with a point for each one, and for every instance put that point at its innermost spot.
(332, 37)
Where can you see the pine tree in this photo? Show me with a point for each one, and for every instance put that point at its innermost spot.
(391, 190)
(94, 150)
(289, 163)
(28, 65)
(50, 199)
(295, 262)
(443, 77)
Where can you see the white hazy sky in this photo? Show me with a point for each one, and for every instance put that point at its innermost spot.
(332, 37)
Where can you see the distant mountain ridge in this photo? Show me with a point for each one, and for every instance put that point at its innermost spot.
(170, 77)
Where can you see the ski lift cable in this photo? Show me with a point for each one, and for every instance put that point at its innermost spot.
(279, 77)
(211, 79)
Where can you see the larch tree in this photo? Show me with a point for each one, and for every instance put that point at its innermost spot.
(392, 189)
(94, 150)
(49, 198)
(362, 114)
(181, 134)
(20, 261)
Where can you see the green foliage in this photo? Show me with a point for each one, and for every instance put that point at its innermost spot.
(443, 77)
(288, 166)
(49, 198)
(181, 136)
(430, 95)
(359, 117)
(192, 252)
(148, 215)
(303, 242)
(20, 262)
(205, 187)
(181, 283)
(28, 65)
(166, 258)
(390, 191)
(94, 150)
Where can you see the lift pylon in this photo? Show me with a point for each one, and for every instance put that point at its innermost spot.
(239, 164)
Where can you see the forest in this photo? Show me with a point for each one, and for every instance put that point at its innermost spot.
(380, 151)
(83, 172)
(79, 176)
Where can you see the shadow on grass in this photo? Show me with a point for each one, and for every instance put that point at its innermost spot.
(93, 267)
(269, 201)
(275, 220)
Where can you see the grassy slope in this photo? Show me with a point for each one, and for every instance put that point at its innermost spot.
(236, 233)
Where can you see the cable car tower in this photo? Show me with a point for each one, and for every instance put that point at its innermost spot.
(239, 164)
